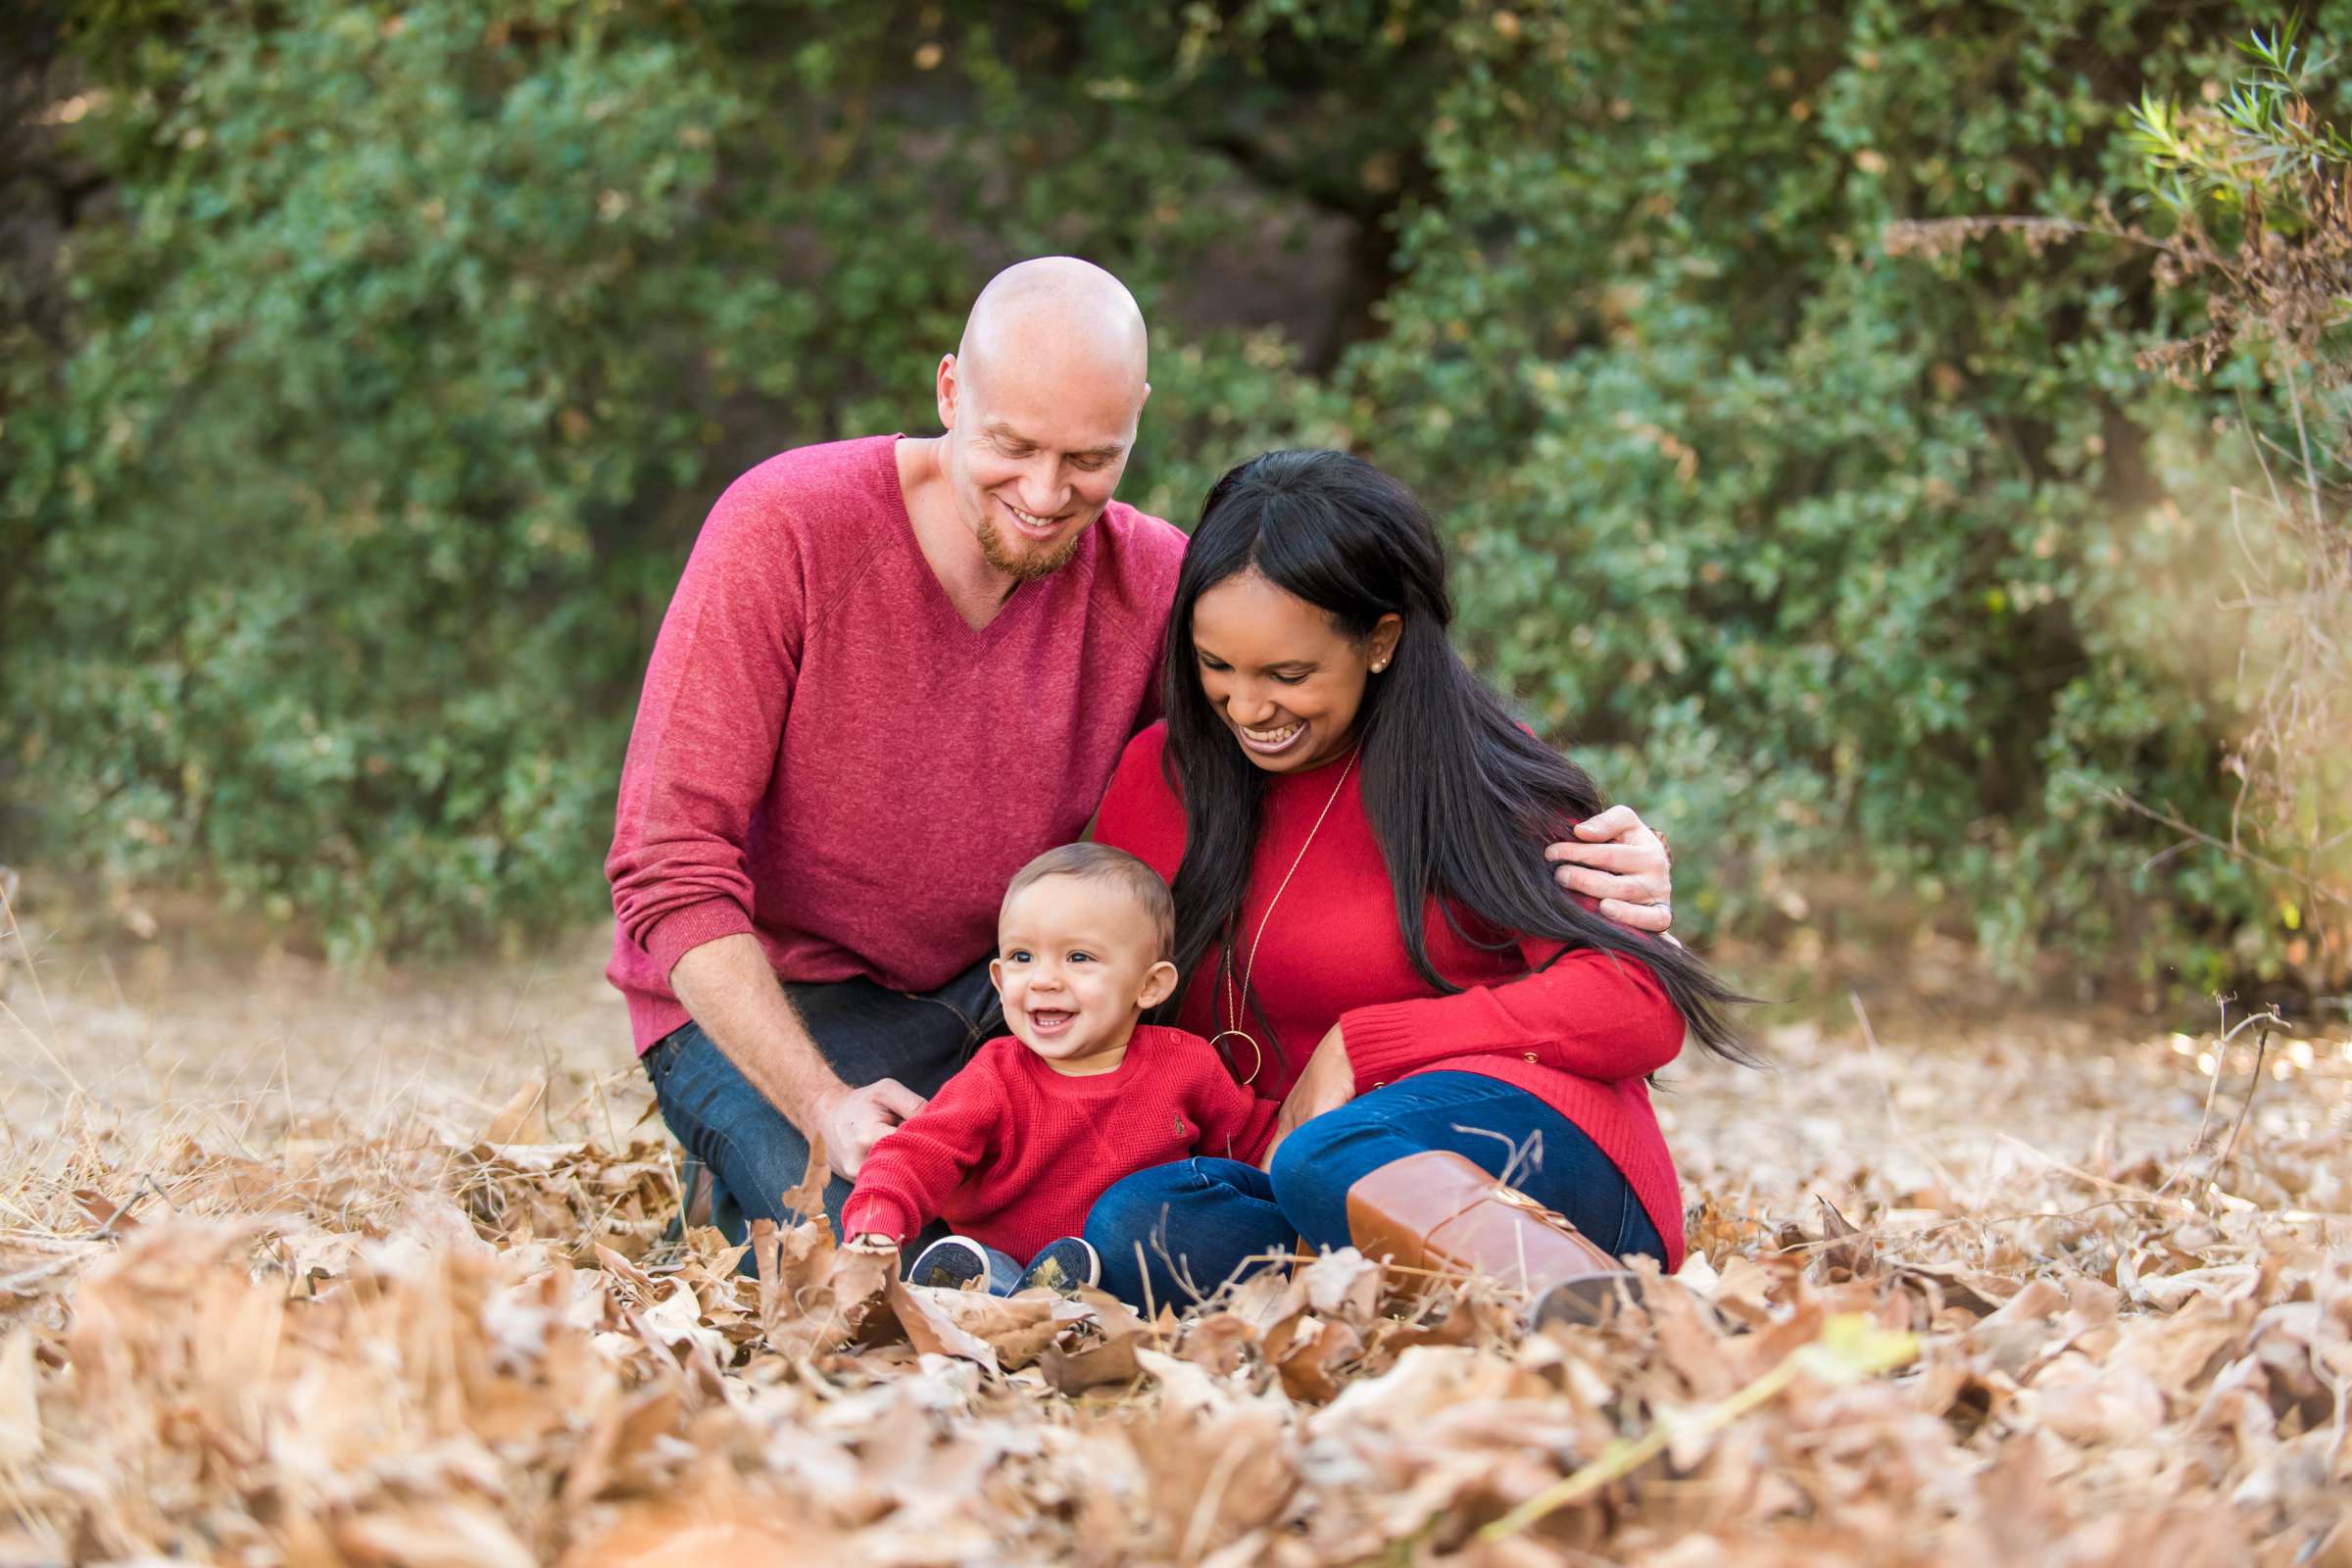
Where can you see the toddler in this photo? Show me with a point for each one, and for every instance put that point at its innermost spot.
(1019, 1145)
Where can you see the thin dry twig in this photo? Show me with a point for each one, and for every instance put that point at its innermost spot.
(2220, 1060)
(2262, 1042)
(2316, 890)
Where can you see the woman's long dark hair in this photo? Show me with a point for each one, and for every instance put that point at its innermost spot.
(1461, 797)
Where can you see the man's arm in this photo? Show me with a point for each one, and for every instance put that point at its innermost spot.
(1621, 860)
(727, 988)
(702, 755)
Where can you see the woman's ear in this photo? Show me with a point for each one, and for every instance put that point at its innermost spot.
(1160, 984)
(1382, 644)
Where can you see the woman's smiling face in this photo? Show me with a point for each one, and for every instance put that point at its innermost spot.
(1281, 673)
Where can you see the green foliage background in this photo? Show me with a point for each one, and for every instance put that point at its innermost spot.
(402, 346)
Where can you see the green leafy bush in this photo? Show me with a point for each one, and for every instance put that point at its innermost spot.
(420, 342)
(421, 335)
(1846, 560)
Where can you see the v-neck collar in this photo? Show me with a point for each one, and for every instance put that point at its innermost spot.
(941, 603)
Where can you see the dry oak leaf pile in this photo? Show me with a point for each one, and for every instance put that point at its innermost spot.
(503, 1370)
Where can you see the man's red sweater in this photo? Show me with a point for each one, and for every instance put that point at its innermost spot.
(828, 757)
(1580, 1034)
(1013, 1153)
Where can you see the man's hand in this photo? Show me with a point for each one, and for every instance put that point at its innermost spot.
(1327, 1084)
(1617, 859)
(852, 1120)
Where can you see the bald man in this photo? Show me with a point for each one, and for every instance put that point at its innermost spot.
(893, 671)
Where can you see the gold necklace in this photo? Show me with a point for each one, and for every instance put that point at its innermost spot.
(1233, 1003)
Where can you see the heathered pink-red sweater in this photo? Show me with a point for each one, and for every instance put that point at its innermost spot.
(827, 756)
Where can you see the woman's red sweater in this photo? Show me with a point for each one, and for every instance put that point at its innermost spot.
(1580, 1034)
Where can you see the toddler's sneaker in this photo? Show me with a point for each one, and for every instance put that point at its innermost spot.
(952, 1261)
(1063, 1266)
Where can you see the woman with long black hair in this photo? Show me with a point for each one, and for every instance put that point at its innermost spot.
(1353, 828)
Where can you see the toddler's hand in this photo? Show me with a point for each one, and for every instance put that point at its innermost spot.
(874, 1241)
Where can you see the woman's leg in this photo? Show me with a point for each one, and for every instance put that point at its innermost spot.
(1176, 1232)
(1500, 1128)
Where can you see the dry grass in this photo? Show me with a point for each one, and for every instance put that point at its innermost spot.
(306, 1270)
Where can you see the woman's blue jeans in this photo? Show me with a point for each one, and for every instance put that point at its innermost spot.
(1177, 1232)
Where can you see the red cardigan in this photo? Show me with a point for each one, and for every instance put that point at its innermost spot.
(1580, 1034)
(1013, 1153)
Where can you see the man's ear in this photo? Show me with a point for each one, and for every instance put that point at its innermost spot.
(947, 389)
(1160, 984)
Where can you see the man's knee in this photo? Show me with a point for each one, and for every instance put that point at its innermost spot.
(866, 1033)
(753, 1151)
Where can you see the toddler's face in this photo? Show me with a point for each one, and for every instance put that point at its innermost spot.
(1077, 959)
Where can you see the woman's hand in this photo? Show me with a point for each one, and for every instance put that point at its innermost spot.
(1619, 859)
(1327, 1084)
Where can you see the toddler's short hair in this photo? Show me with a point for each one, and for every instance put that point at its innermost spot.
(1101, 863)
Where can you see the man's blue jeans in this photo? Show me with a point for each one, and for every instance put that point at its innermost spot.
(1177, 1231)
(865, 1032)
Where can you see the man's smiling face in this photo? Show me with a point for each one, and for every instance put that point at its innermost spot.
(1035, 451)
(1040, 402)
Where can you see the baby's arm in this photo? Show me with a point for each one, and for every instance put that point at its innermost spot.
(915, 1167)
(1235, 1124)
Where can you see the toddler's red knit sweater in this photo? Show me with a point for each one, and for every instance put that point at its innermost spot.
(1013, 1153)
(1578, 1034)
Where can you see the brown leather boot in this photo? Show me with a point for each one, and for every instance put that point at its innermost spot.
(1440, 1212)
